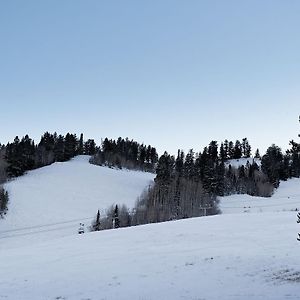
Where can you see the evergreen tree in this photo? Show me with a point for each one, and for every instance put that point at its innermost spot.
(70, 146)
(237, 150)
(257, 154)
(90, 147)
(188, 167)
(179, 163)
(272, 164)
(246, 148)
(223, 155)
(80, 150)
(226, 149)
(96, 223)
(231, 150)
(116, 220)
(213, 150)
(59, 149)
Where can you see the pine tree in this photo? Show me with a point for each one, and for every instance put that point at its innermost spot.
(222, 153)
(59, 149)
(213, 150)
(179, 163)
(246, 148)
(272, 164)
(188, 166)
(231, 150)
(116, 220)
(237, 150)
(96, 225)
(257, 154)
(90, 147)
(80, 145)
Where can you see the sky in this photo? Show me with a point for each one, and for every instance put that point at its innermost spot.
(173, 74)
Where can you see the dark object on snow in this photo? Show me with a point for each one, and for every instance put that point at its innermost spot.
(81, 228)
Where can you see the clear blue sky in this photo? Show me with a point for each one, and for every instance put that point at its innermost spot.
(174, 74)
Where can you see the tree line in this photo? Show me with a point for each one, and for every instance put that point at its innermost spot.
(125, 153)
(23, 154)
(185, 186)
(188, 185)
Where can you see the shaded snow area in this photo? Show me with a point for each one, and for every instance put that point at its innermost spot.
(51, 201)
(244, 253)
(242, 256)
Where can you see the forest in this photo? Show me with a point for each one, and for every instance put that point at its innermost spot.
(186, 185)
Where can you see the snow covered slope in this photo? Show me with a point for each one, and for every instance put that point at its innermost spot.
(54, 199)
(242, 256)
(236, 255)
(285, 198)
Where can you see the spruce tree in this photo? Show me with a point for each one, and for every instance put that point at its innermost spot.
(96, 225)
(116, 220)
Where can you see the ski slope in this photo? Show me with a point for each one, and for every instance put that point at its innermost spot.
(244, 253)
(285, 198)
(53, 200)
(241, 256)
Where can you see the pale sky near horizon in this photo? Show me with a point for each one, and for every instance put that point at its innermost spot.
(173, 74)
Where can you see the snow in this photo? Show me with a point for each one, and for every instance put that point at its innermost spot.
(242, 256)
(235, 255)
(62, 195)
(285, 198)
(242, 162)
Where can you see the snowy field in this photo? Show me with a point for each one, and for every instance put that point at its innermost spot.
(245, 253)
(53, 200)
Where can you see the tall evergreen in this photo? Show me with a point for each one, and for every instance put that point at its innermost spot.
(272, 164)
(80, 150)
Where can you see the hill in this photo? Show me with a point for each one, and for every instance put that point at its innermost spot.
(240, 254)
(54, 199)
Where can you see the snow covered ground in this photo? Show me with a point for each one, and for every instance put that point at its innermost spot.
(51, 201)
(241, 254)
(285, 198)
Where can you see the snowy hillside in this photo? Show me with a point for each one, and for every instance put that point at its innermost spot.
(54, 199)
(244, 253)
(285, 198)
(242, 256)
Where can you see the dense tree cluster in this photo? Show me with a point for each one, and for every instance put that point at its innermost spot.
(23, 155)
(125, 153)
(188, 185)
(185, 186)
(230, 150)
(278, 166)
